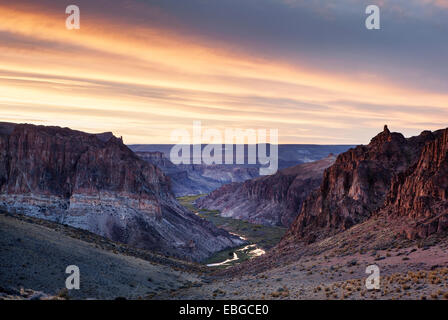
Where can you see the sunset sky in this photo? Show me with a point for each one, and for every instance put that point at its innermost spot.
(307, 68)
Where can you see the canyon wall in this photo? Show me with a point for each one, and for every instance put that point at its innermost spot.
(269, 200)
(367, 179)
(95, 182)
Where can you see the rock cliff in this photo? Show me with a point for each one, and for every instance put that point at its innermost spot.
(96, 183)
(359, 182)
(420, 194)
(269, 200)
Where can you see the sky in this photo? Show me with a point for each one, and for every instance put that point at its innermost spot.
(143, 68)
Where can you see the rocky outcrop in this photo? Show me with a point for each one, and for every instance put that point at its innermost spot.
(94, 182)
(420, 194)
(269, 200)
(357, 184)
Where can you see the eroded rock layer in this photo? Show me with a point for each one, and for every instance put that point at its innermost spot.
(269, 200)
(393, 174)
(420, 194)
(94, 182)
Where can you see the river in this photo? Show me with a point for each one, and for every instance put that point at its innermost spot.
(248, 252)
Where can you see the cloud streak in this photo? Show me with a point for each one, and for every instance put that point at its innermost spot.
(143, 68)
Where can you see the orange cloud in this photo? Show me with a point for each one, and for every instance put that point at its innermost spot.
(143, 81)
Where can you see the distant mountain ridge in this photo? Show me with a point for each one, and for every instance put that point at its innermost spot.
(94, 182)
(288, 154)
(197, 179)
(193, 179)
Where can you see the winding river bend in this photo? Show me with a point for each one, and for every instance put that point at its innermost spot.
(250, 251)
(257, 238)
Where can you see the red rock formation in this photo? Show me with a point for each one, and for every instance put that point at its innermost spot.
(270, 200)
(420, 194)
(95, 182)
(357, 185)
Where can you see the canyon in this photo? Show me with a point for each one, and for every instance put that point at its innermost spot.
(194, 179)
(384, 203)
(388, 195)
(392, 175)
(269, 200)
(95, 182)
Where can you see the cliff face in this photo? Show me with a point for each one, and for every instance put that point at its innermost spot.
(357, 184)
(270, 200)
(95, 182)
(420, 194)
